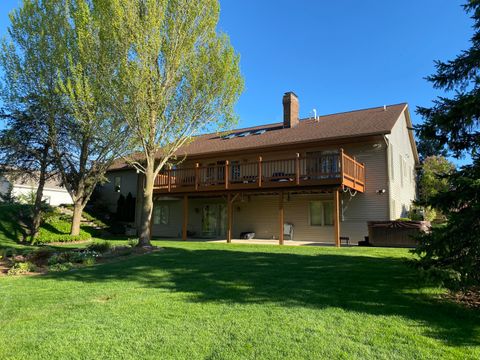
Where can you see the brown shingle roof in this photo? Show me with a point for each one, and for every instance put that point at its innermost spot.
(335, 126)
(350, 124)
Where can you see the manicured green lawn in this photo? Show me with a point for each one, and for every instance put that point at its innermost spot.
(219, 301)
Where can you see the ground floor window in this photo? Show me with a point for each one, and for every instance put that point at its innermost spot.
(214, 220)
(321, 213)
(161, 214)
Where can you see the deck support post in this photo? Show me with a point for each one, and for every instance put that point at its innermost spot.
(259, 170)
(355, 173)
(280, 217)
(185, 217)
(342, 166)
(169, 172)
(229, 218)
(297, 169)
(197, 176)
(336, 217)
(227, 173)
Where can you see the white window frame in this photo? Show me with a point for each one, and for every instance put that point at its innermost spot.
(322, 216)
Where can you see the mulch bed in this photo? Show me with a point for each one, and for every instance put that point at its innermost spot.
(118, 253)
(59, 243)
(469, 298)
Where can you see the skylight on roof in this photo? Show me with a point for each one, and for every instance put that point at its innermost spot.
(246, 133)
(229, 136)
(260, 132)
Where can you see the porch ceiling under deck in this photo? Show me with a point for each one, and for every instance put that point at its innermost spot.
(251, 192)
(227, 196)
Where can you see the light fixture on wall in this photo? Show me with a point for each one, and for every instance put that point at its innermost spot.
(381, 191)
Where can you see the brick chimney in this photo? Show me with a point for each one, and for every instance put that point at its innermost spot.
(290, 110)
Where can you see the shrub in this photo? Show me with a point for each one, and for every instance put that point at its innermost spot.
(419, 213)
(56, 259)
(21, 268)
(72, 257)
(81, 256)
(133, 242)
(40, 256)
(100, 247)
(63, 238)
(7, 252)
(61, 267)
(55, 229)
(89, 261)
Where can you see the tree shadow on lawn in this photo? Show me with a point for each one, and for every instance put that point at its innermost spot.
(370, 285)
(10, 226)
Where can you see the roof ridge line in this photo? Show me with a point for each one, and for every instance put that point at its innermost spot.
(303, 119)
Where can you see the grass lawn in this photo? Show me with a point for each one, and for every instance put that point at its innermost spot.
(219, 301)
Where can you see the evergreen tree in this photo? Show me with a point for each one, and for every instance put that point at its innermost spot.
(121, 208)
(452, 125)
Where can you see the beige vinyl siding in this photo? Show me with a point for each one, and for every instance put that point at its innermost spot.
(173, 229)
(402, 163)
(357, 210)
(260, 215)
(128, 184)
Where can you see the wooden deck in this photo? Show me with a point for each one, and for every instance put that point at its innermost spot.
(336, 169)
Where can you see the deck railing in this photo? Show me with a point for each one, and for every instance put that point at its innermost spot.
(326, 169)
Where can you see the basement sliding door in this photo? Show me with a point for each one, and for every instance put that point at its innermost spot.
(214, 220)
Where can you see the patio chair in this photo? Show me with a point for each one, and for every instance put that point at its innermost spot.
(288, 231)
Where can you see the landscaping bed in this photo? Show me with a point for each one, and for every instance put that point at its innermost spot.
(46, 259)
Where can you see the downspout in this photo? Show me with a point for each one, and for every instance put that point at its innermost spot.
(389, 172)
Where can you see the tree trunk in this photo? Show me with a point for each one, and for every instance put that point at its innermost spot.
(37, 206)
(37, 209)
(78, 207)
(147, 208)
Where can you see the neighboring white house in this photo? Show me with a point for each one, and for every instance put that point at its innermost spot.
(21, 187)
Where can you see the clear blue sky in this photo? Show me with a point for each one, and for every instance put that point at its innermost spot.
(336, 55)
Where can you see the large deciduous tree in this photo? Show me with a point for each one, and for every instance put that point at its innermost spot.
(29, 57)
(93, 132)
(433, 177)
(452, 124)
(179, 76)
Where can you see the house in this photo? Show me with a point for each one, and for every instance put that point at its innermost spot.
(24, 186)
(315, 179)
